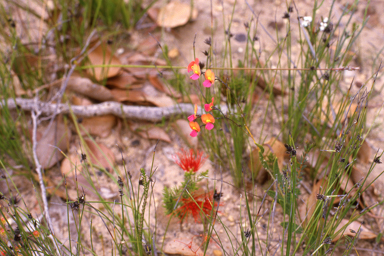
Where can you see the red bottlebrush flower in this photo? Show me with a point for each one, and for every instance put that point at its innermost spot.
(208, 120)
(189, 161)
(192, 118)
(195, 128)
(209, 78)
(195, 67)
(209, 107)
(201, 203)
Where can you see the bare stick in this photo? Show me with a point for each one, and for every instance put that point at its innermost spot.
(153, 114)
(35, 114)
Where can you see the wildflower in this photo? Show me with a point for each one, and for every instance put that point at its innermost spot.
(192, 118)
(190, 161)
(306, 21)
(208, 120)
(193, 206)
(209, 78)
(195, 128)
(195, 67)
(209, 107)
(3, 220)
(36, 234)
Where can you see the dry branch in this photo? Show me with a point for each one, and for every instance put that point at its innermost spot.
(153, 114)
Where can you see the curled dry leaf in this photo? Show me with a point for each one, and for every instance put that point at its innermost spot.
(102, 55)
(124, 80)
(18, 89)
(148, 45)
(192, 98)
(365, 153)
(351, 229)
(140, 59)
(58, 135)
(183, 247)
(158, 84)
(273, 146)
(145, 95)
(99, 125)
(135, 96)
(175, 14)
(70, 164)
(99, 154)
(306, 210)
(87, 88)
(153, 132)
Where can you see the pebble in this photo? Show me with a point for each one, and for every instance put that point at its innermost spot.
(230, 218)
(217, 253)
(172, 54)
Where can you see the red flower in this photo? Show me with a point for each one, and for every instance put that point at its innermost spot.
(195, 67)
(209, 78)
(36, 234)
(192, 118)
(209, 107)
(189, 161)
(208, 120)
(201, 203)
(195, 128)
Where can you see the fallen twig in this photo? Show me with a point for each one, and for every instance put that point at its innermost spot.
(153, 114)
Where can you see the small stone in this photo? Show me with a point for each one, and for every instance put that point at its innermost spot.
(217, 253)
(230, 218)
(119, 51)
(173, 53)
(240, 50)
(240, 37)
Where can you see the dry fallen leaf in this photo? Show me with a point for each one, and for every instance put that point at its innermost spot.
(140, 59)
(175, 14)
(99, 125)
(102, 55)
(183, 247)
(174, 53)
(154, 133)
(273, 146)
(17, 85)
(306, 210)
(365, 153)
(87, 88)
(100, 155)
(148, 45)
(352, 229)
(192, 98)
(158, 84)
(124, 81)
(70, 164)
(136, 96)
(58, 135)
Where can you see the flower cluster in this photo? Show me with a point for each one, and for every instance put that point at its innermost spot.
(207, 119)
(194, 66)
(200, 203)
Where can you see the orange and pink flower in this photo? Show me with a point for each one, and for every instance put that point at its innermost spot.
(195, 128)
(195, 67)
(208, 120)
(209, 78)
(192, 118)
(209, 107)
